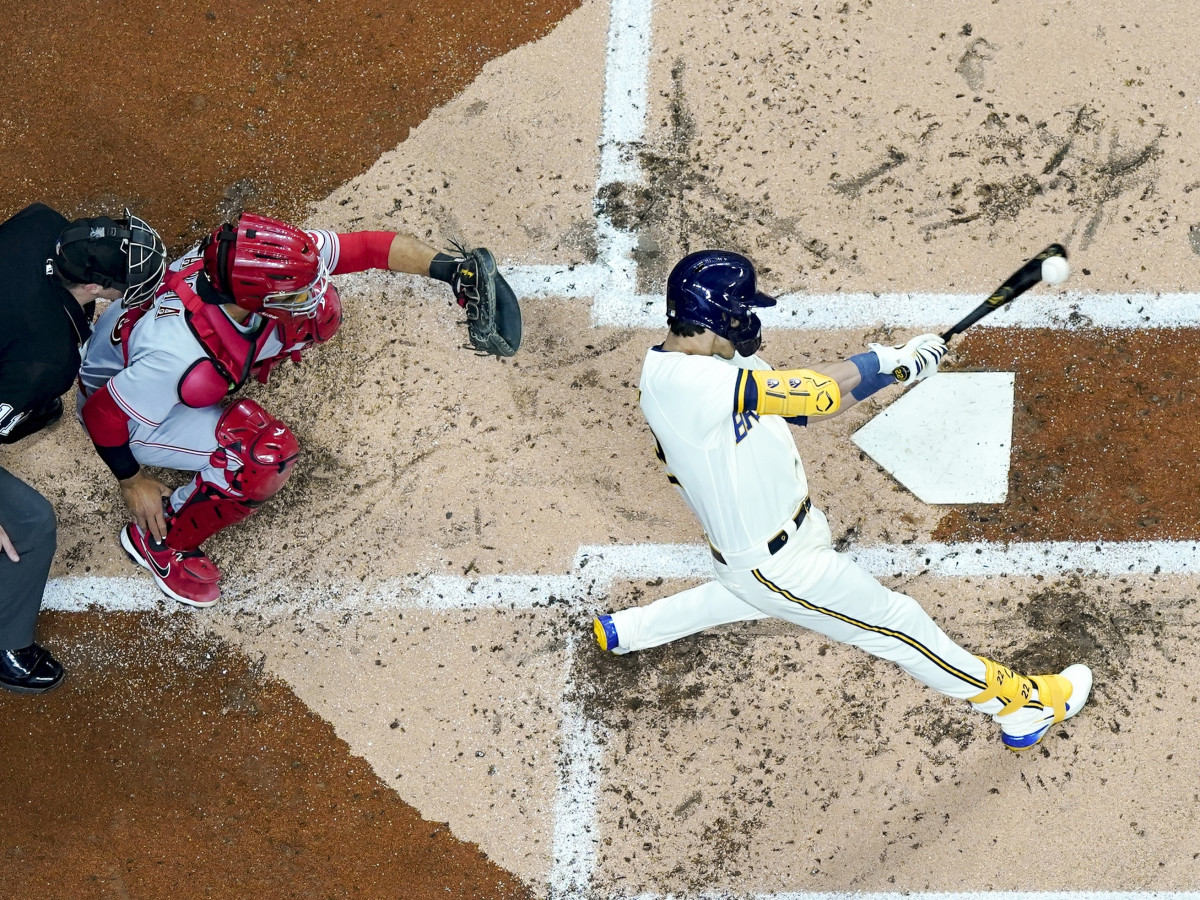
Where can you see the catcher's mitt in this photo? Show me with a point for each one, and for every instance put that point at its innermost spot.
(493, 313)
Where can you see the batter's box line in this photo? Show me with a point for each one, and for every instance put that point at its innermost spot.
(614, 304)
(597, 567)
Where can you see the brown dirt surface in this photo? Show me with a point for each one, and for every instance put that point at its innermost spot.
(190, 112)
(418, 585)
(116, 789)
(1104, 424)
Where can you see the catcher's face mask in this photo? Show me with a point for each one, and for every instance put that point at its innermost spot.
(298, 304)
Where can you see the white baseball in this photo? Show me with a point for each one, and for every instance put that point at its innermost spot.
(1055, 270)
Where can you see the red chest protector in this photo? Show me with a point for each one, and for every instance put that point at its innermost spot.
(230, 352)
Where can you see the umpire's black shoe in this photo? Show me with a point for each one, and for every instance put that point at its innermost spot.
(30, 670)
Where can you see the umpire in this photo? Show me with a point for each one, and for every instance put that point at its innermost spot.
(51, 273)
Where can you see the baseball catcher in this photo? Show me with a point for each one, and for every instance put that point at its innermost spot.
(717, 413)
(157, 374)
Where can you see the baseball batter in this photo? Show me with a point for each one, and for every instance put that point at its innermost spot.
(155, 376)
(719, 416)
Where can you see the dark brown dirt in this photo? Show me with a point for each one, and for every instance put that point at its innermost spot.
(1104, 425)
(188, 112)
(169, 765)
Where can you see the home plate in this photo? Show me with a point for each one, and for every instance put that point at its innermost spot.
(948, 438)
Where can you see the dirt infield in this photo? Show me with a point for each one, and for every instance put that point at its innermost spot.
(197, 776)
(170, 763)
(404, 648)
(191, 113)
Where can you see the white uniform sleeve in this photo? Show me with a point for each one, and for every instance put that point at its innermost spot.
(682, 376)
(186, 260)
(756, 363)
(328, 246)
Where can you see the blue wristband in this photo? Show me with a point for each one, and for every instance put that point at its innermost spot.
(871, 379)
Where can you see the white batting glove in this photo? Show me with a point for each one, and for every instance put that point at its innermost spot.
(927, 351)
(890, 358)
(917, 359)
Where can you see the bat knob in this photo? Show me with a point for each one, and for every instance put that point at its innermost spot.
(901, 374)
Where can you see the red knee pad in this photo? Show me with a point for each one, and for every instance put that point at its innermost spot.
(267, 451)
(263, 444)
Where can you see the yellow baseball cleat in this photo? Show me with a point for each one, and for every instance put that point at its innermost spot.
(1024, 720)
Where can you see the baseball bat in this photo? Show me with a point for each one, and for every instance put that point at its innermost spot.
(1013, 287)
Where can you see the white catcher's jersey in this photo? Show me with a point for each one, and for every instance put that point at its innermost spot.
(740, 473)
(162, 347)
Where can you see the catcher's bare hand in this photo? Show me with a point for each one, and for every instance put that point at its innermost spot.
(144, 497)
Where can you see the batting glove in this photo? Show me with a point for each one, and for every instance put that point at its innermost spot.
(914, 360)
(926, 351)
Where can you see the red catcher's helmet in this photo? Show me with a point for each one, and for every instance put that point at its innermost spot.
(267, 266)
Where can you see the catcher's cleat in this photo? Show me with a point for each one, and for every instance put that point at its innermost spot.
(184, 575)
(606, 635)
(1025, 719)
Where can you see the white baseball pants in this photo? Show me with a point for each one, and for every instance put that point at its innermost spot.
(185, 440)
(810, 584)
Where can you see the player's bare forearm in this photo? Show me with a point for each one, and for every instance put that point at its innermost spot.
(409, 255)
(847, 376)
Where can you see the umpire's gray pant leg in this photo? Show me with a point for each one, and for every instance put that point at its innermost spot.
(28, 519)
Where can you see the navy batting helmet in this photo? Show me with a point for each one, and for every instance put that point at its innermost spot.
(718, 290)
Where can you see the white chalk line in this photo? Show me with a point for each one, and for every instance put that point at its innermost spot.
(623, 126)
(573, 850)
(614, 305)
(596, 567)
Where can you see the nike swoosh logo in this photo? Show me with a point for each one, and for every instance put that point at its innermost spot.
(162, 572)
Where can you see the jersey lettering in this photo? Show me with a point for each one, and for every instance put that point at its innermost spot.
(742, 423)
(122, 325)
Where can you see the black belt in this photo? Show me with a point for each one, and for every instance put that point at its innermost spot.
(775, 544)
